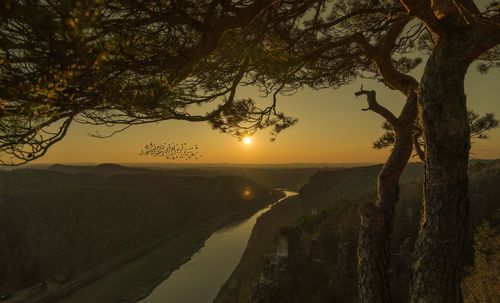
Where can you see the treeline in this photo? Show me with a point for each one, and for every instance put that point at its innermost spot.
(55, 225)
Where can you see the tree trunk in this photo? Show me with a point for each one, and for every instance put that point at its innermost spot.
(437, 258)
(374, 249)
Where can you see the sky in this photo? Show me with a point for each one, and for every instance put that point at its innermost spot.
(331, 128)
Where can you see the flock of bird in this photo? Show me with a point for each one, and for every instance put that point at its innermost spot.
(172, 151)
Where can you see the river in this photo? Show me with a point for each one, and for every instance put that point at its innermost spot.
(199, 279)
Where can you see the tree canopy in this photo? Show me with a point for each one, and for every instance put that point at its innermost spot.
(133, 62)
(118, 63)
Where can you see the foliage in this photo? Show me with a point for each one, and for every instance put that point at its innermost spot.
(118, 63)
(482, 284)
(387, 139)
(58, 225)
(479, 128)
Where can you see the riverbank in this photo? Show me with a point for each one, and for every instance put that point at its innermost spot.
(199, 280)
(63, 231)
(132, 275)
(135, 279)
(239, 285)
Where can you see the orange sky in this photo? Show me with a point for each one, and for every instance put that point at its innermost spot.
(331, 128)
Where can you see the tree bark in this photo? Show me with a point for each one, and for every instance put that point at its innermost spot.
(437, 258)
(377, 218)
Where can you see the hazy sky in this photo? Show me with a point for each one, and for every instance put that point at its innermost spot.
(331, 128)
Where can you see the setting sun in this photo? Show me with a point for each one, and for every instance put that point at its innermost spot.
(247, 140)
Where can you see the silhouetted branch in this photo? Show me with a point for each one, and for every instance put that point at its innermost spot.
(374, 106)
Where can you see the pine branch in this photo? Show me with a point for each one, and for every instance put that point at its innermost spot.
(374, 106)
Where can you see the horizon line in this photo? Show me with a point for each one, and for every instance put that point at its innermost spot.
(203, 163)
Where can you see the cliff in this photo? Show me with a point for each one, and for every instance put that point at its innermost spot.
(322, 267)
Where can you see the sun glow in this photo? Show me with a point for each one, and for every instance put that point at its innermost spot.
(247, 140)
(247, 193)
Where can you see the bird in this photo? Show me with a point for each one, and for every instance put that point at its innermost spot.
(172, 151)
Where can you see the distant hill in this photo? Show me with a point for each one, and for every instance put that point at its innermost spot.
(106, 169)
(285, 177)
(272, 177)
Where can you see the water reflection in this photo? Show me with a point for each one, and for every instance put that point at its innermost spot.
(199, 280)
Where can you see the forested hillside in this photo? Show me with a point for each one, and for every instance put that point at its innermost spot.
(321, 241)
(54, 225)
